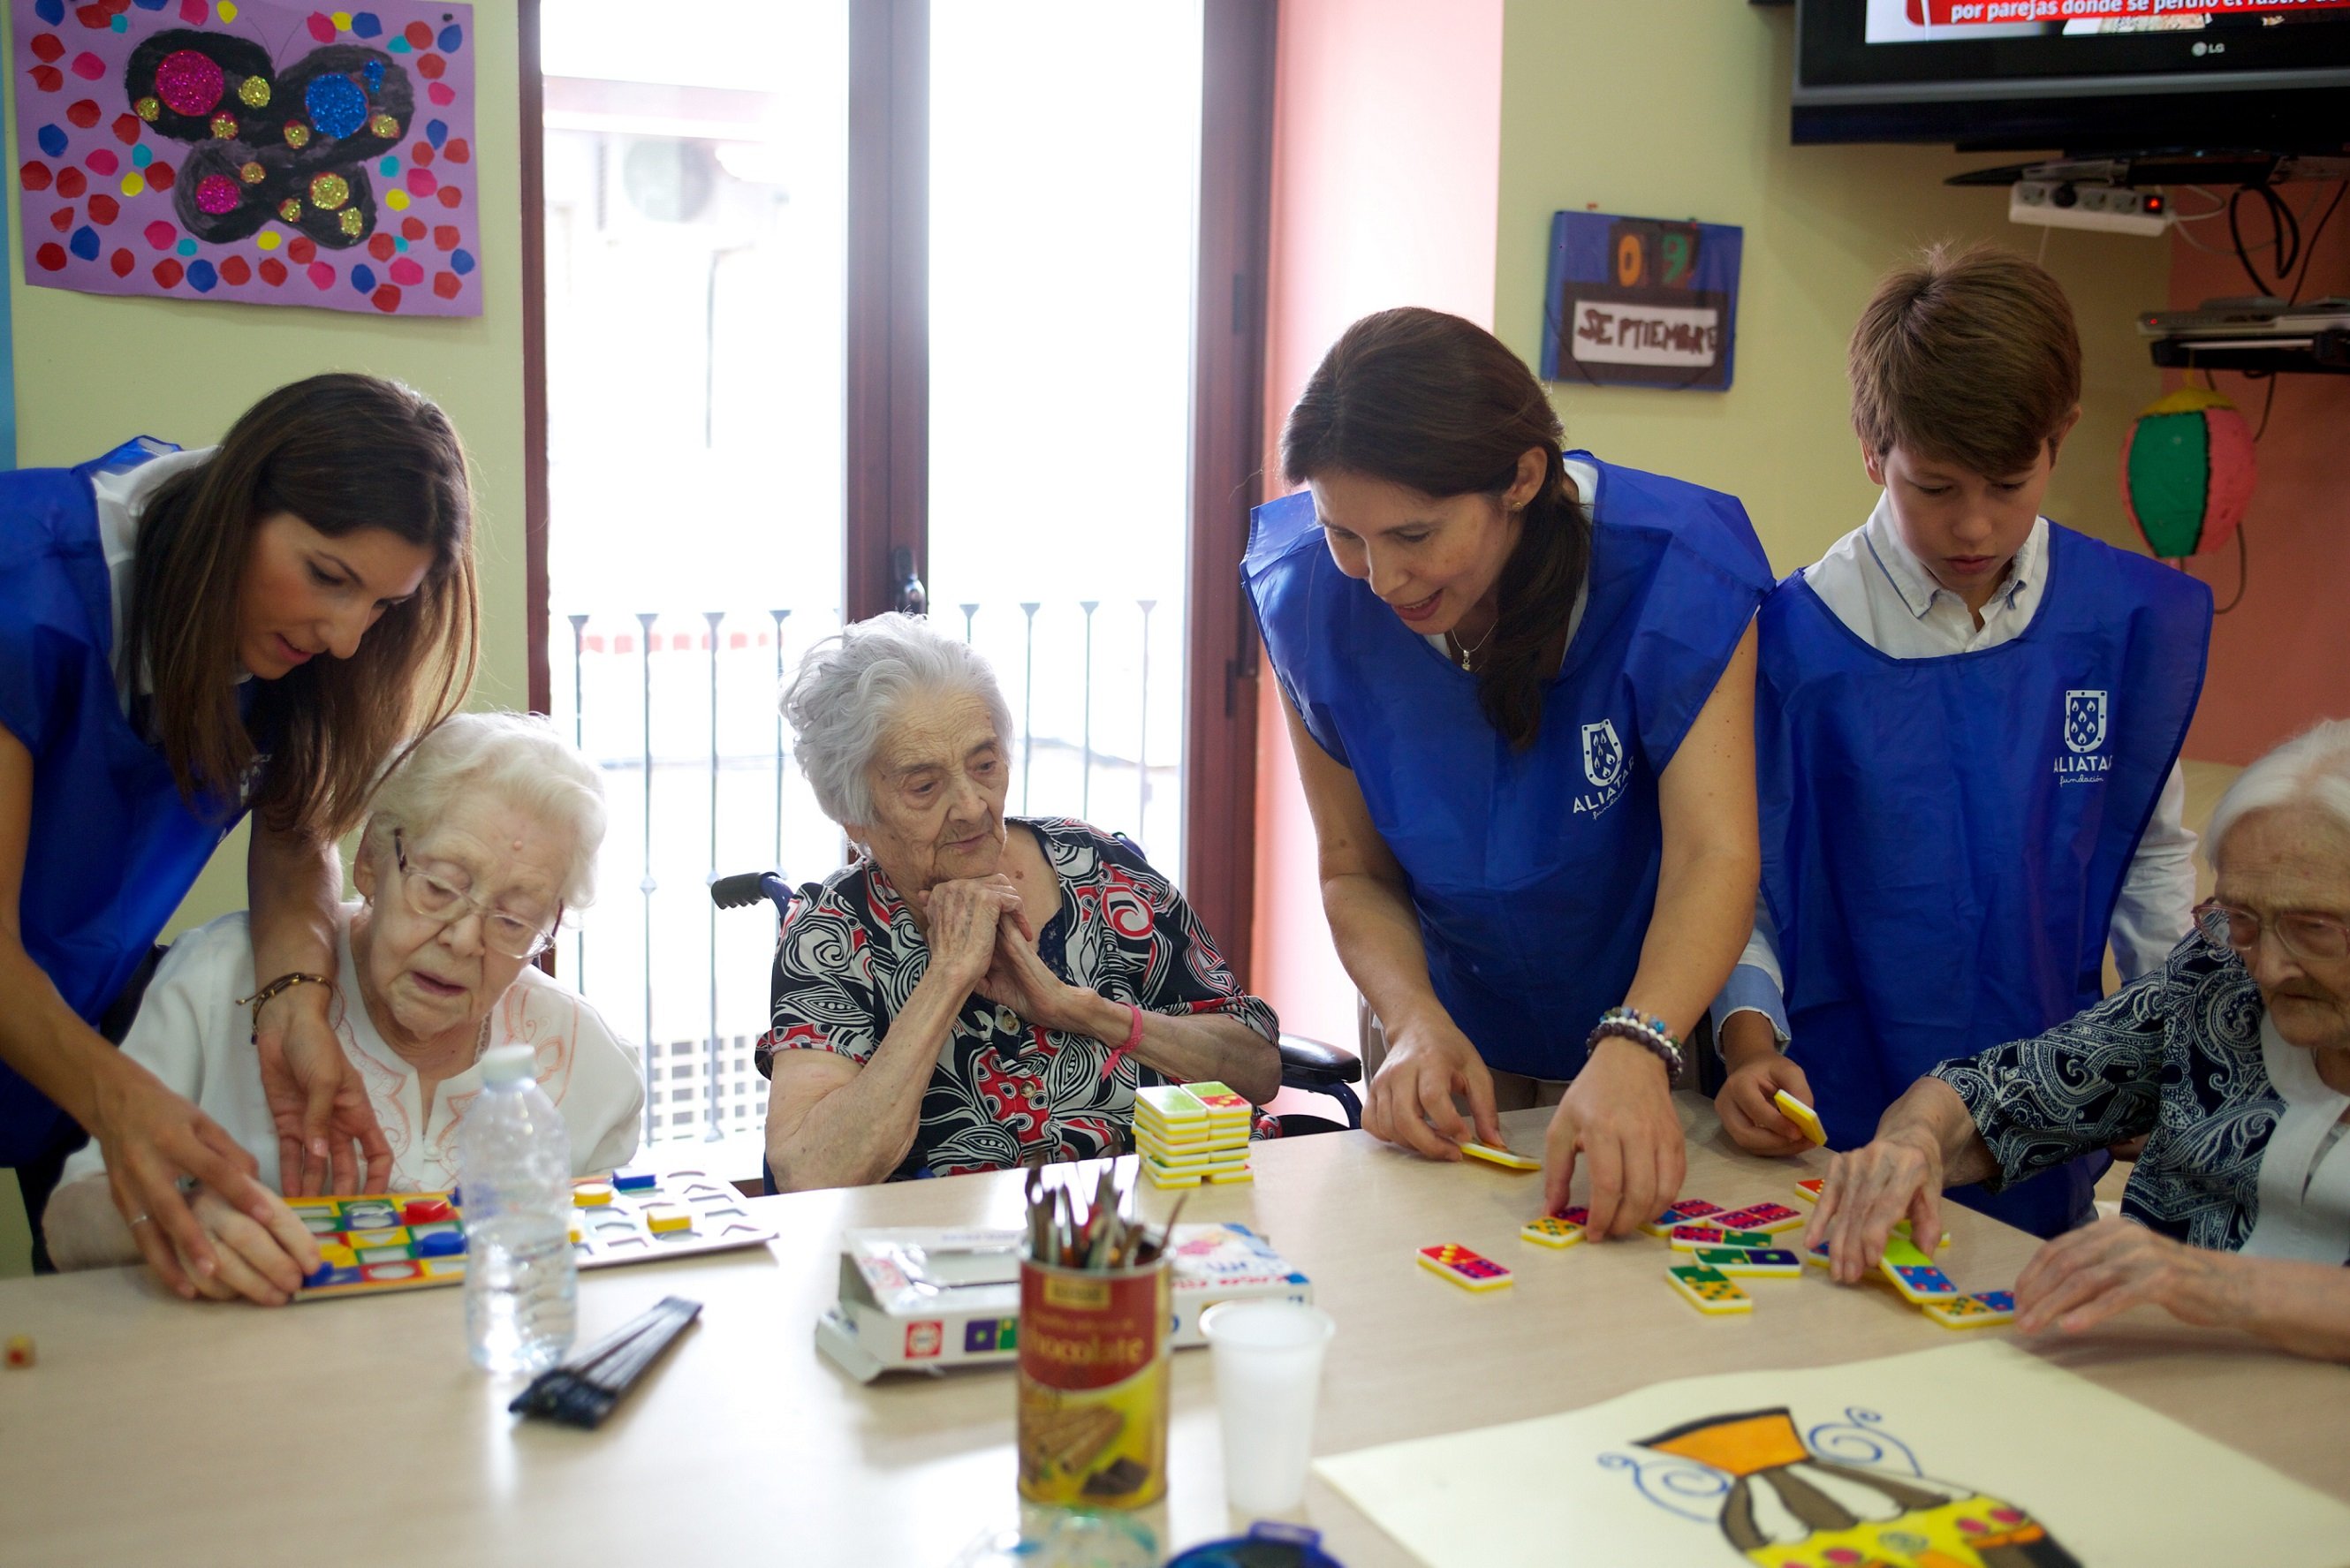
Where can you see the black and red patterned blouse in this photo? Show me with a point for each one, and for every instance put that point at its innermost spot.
(1007, 1092)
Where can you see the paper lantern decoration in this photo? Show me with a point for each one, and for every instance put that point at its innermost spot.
(2188, 473)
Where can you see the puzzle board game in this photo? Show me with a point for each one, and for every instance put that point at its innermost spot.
(1676, 1472)
(410, 1240)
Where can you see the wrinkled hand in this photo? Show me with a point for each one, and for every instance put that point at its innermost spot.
(1018, 979)
(151, 1138)
(1866, 1192)
(1618, 1115)
(262, 1259)
(960, 920)
(328, 1139)
(2085, 1276)
(1753, 1122)
(1410, 1101)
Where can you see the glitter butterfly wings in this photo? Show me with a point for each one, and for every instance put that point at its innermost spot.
(291, 149)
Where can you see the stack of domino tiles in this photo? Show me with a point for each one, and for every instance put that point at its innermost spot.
(1188, 1134)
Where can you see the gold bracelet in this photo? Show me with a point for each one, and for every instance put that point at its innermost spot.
(278, 987)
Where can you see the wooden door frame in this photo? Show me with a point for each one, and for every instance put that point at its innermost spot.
(889, 366)
(1227, 467)
(887, 369)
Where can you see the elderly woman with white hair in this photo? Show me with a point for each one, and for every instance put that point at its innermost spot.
(478, 841)
(972, 992)
(2232, 1062)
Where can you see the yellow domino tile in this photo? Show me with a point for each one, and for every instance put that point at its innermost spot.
(1807, 1120)
(1507, 1158)
(1708, 1291)
(1551, 1231)
(658, 1220)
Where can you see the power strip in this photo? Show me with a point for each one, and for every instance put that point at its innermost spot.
(2065, 204)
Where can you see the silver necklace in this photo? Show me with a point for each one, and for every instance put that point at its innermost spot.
(1465, 651)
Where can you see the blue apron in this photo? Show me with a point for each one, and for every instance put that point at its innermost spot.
(1534, 874)
(113, 848)
(1944, 839)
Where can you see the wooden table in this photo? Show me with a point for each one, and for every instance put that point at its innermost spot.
(355, 1432)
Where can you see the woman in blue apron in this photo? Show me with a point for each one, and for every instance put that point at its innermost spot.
(1520, 687)
(186, 636)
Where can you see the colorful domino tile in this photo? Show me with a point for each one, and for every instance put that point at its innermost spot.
(1687, 1212)
(1984, 1309)
(1767, 1216)
(1808, 1189)
(1577, 1216)
(1708, 1290)
(1551, 1231)
(1469, 1271)
(1807, 1120)
(1816, 1255)
(1759, 1262)
(1690, 1238)
(1913, 1273)
(1507, 1158)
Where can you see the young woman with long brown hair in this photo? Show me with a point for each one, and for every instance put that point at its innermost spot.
(186, 636)
(1520, 685)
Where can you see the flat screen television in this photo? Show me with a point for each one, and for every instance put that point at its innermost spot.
(2082, 75)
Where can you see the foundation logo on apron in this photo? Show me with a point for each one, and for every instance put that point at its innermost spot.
(2085, 735)
(1603, 765)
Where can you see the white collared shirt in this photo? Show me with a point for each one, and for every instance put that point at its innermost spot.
(123, 495)
(2304, 1180)
(1883, 594)
(192, 1035)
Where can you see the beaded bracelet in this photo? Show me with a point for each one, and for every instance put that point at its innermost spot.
(1646, 1031)
(283, 984)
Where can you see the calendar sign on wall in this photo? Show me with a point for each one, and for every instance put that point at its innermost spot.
(1641, 302)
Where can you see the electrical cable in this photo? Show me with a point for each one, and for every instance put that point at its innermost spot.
(2243, 572)
(2309, 253)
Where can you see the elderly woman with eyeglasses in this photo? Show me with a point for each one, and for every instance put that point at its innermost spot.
(2232, 1062)
(973, 992)
(478, 841)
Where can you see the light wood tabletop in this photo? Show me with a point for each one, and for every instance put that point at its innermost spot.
(355, 1431)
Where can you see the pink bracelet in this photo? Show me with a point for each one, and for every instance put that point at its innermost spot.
(1125, 1048)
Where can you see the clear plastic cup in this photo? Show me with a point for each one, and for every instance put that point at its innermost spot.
(1268, 1360)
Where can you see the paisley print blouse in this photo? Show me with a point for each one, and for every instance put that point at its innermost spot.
(1005, 1092)
(2175, 1055)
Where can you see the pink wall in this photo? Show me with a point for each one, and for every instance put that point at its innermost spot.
(2281, 658)
(1387, 171)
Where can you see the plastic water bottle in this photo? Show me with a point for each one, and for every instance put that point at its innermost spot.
(514, 1167)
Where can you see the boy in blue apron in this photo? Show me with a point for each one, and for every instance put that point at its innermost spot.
(1967, 730)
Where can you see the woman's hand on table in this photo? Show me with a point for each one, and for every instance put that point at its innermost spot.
(1409, 1100)
(263, 1261)
(2085, 1276)
(152, 1139)
(1753, 1123)
(1618, 1117)
(327, 1137)
(1897, 1177)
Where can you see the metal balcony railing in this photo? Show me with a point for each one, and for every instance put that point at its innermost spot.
(679, 712)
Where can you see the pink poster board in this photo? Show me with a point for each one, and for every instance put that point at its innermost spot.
(247, 150)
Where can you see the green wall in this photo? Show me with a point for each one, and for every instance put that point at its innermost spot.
(1677, 109)
(91, 371)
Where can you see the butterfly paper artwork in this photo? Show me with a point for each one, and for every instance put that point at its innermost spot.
(251, 152)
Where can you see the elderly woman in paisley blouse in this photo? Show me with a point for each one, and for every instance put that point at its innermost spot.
(972, 992)
(2232, 1062)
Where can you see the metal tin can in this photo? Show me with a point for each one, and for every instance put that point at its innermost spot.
(1093, 1385)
